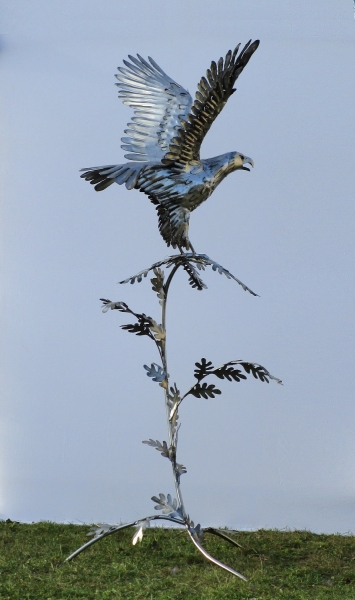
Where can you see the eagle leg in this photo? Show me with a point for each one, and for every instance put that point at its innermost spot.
(190, 248)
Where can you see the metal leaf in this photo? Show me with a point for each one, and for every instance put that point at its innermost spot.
(122, 306)
(169, 261)
(181, 469)
(161, 447)
(226, 372)
(200, 266)
(174, 396)
(158, 332)
(137, 277)
(174, 419)
(156, 372)
(166, 504)
(158, 284)
(204, 391)
(173, 401)
(194, 279)
(258, 371)
(202, 369)
(100, 528)
(138, 536)
(207, 261)
(141, 526)
(137, 328)
(196, 531)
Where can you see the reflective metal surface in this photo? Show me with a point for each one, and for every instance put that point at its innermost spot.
(164, 139)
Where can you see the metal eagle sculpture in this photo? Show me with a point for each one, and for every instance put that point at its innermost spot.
(165, 136)
(163, 144)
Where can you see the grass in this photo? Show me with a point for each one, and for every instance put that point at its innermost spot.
(290, 565)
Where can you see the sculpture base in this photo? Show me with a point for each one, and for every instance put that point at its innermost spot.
(104, 530)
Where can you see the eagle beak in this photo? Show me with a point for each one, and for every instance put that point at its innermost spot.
(248, 161)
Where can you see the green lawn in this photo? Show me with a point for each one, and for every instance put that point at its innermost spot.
(166, 565)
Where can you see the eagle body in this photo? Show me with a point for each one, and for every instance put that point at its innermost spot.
(177, 194)
(165, 136)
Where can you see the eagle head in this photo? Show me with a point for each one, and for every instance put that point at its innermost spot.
(238, 161)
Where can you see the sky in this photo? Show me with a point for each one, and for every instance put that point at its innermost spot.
(76, 402)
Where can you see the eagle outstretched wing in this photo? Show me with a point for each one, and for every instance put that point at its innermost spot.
(159, 105)
(211, 96)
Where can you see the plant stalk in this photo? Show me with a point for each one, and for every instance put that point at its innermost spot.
(172, 439)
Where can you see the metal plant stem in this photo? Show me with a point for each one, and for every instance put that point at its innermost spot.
(173, 509)
(173, 443)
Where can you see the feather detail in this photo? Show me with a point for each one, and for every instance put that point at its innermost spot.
(159, 104)
(210, 98)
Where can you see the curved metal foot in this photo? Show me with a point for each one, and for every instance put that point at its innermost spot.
(214, 560)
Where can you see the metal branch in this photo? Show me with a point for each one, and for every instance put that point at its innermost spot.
(221, 535)
(213, 372)
(120, 528)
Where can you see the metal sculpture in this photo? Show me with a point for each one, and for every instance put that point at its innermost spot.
(165, 136)
(156, 142)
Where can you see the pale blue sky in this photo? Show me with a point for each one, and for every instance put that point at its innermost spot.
(76, 402)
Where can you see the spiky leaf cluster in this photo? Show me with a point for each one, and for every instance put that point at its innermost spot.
(222, 271)
(145, 325)
(200, 260)
(229, 372)
(194, 279)
(225, 371)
